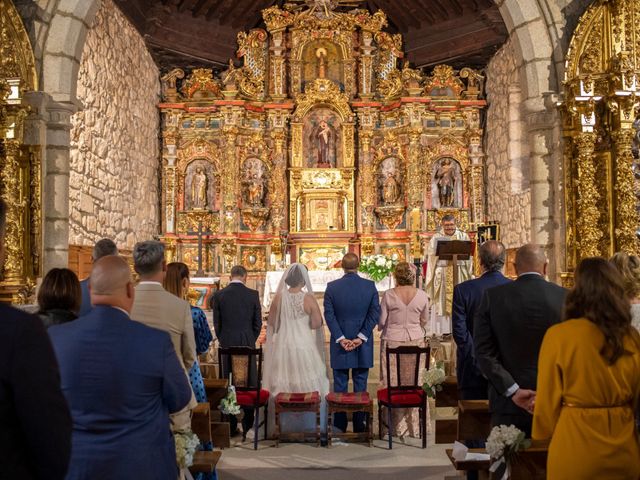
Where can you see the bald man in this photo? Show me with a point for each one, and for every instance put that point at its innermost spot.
(121, 379)
(508, 330)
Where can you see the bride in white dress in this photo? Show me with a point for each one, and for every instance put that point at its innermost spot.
(295, 349)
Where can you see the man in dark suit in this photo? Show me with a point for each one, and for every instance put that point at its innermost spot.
(466, 299)
(122, 380)
(352, 310)
(508, 331)
(35, 424)
(102, 248)
(237, 321)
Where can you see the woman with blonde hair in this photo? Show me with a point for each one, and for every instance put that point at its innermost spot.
(403, 321)
(589, 381)
(629, 268)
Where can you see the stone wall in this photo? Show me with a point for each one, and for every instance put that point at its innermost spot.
(508, 191)
(113, 184)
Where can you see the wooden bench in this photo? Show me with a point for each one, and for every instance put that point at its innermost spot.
(447, 428)
(216, 389)
(203, 462)
(530, 464)
(474, 420)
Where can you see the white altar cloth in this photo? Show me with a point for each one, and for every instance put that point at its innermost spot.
(319, 280)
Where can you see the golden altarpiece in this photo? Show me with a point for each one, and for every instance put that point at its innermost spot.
(601, 139)
(20, 164)
(323, 141)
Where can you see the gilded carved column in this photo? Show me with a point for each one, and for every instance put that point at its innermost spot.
(365, 76)
(588, 197)
(367, 182)
(230, 179)
(414, 178)
(278, 182)
(278, 74)
(626, 216)
(12, 194)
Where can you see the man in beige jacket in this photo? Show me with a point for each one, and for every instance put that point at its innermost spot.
(157, 308)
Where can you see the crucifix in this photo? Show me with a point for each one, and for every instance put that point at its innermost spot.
(200, 232)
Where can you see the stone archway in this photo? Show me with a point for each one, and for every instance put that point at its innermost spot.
(59, 50)
(540, 31)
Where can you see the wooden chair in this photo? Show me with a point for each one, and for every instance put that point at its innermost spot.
(349, 403)
(401, 395)
(249, 391)
(308, 402)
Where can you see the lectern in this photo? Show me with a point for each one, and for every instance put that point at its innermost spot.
(453, 251)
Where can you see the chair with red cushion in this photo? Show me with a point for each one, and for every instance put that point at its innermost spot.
(404, 392)
(241, 363)
(307, 402)
(349, 402)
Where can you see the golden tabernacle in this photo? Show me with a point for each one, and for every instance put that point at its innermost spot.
(322, 141)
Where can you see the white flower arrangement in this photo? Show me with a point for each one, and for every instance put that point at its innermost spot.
(432, 379)
(229, 404)
(378, 266)
(503, 443)
(186, 444)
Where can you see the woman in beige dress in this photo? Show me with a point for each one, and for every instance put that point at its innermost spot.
(629, 267)
(403, 321)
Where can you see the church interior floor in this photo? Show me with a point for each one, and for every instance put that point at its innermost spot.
(341, 462)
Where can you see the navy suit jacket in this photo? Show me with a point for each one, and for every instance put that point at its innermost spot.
(35, 424)
(85, 306)
(351, 306)
(467, 297)
(121, 379)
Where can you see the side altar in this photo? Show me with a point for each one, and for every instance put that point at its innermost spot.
(320, 139)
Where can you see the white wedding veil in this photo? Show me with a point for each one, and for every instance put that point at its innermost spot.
(285, 319)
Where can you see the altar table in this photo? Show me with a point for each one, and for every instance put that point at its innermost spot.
(319, 280)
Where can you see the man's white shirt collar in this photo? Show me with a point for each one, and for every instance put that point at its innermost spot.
(530, 273)
(149, 282)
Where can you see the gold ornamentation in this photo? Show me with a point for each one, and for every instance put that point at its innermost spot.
(169, 80)
(434, 218)
(390, 216)
(367, 246)
(201, 84)
(626, 219)
(442, 81)
(588, 197)
(395, 252)
(254, 258)
(188, 222)
(229, 250)
(254, 218)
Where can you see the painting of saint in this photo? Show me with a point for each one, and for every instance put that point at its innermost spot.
(446, 190)
(322, 146)
(253, 183)
(199, 188)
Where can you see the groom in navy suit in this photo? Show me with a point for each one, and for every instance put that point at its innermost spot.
(352, 310)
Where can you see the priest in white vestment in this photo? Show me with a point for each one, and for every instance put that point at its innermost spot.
(438, 286)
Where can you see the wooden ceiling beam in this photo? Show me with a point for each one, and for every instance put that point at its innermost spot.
(426, 11)
(213, 10)
(201, 8)
(457, 7)
(241, 17)
(186, 5)
(444, 13)
(392, 12)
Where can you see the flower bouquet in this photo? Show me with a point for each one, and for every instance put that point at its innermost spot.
(186, 444)
(229, 404)
(378, 266)
(502, 445)
(432, 379)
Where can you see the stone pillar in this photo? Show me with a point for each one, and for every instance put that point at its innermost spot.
(55, 201)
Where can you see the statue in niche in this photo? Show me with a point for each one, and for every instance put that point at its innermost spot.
(253, 183)
(199, 189)
(324, 139)
(321, 53)
(390, 185)
(445, 178)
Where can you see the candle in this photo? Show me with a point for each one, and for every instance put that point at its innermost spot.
(287, 259)
(272, 259)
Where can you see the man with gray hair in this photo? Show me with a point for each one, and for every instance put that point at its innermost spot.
(102, 248)
(508, 331)
(156, 307)
(466, 300)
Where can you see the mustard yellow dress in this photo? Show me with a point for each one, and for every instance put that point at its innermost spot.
(585, 406)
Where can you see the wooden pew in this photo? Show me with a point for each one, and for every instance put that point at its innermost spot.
(530, 464)
(481, 467)
(447, 428)
(203, 462)
(474, 420)
(216, 389)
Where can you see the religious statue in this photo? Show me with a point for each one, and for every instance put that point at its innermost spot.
(390, 188)
(321, 53)
(199, 189)
(324, 137)
(439, 276)
(253, 184)
(445, 178)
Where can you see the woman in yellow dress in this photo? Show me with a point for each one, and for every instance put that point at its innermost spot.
(589, 382)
